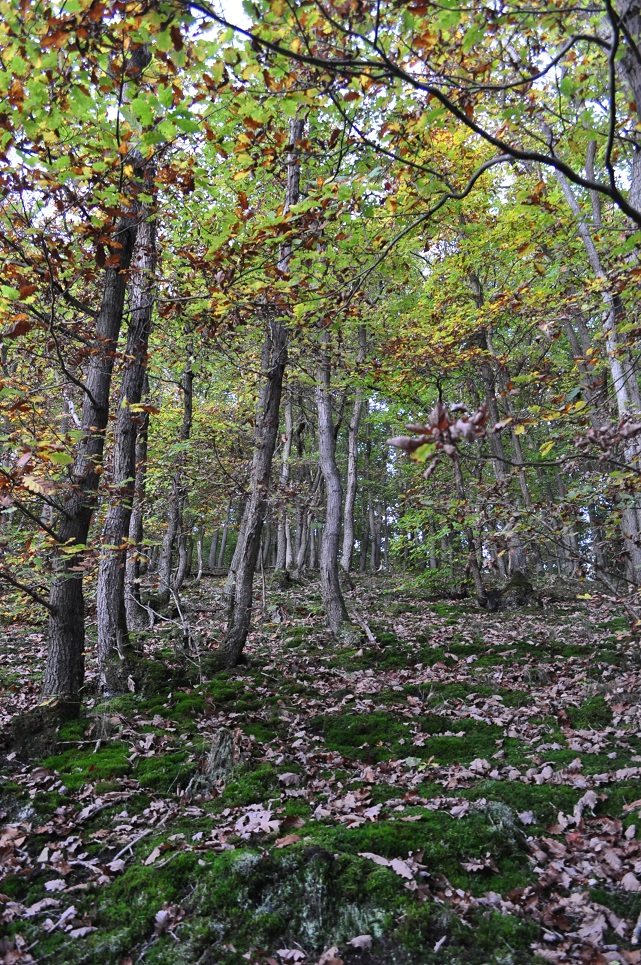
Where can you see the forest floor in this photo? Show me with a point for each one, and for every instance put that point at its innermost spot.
(467, 789)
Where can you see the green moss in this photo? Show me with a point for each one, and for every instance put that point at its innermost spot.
(186, 707)
(305, 897)
(46, 802)
(264, 733)
(615, 625)
(624, 904)
(167, 773)
(593, 712)
(445, 844)
(250, 786)
(77, 767)
(370, 737)
(73, 730)
(544, 801)
(468, 692)
(374, 657)
(618, 796)
(485, 938)
(379, 736)
(223, 689)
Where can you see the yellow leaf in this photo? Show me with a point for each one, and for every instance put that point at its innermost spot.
(519, 430)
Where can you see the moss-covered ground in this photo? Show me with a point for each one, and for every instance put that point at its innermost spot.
(465, 789)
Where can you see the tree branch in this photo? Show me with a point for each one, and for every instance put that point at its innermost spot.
(35, 596)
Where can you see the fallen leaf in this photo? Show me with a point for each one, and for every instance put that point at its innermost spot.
(287, 840)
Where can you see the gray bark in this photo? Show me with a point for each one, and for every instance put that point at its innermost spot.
(283, 553)
(178, 492)
(133, 609)
(240, 581)
(351, 483)
(113, 639)
(335, 610)
(211, 561)
(65, 657)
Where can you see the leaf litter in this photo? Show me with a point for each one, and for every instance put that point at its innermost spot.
(354, 738)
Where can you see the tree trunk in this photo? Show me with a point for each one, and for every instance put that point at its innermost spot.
(133, 567)
(223, 540)
(185, 553)
(211, 561)
(352, 464)
(178, 491)
(624, 378)
(472, 559)
(113, 639)
(283, 557)
(64, 673)
(335, 610)
(240, 582)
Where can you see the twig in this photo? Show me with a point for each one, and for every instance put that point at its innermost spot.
(127, 847)
(361, 622)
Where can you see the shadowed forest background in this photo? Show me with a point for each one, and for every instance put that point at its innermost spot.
(320, 534)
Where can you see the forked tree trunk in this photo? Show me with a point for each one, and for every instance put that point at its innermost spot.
(114, 651)
(65, 657)
(185, 551)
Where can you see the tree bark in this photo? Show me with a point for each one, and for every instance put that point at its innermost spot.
(351, 483)
(240, 581)
(283, 557)
(211, 560)
(624, 378)
(114, 650)
(64, 673)
(133, 565)
(335, 610)
(178, 491)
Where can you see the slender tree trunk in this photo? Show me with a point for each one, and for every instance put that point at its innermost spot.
(114, 650)
(185, 553)
(352, 464)
(472, 559)
(133, 569)
(223, 539)
(211, 560)
(335, 610)
(241, 575)
(283, 557)
(178, 491)
(64, 673)
(516, 551)
(273, 361)
(624, 377)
